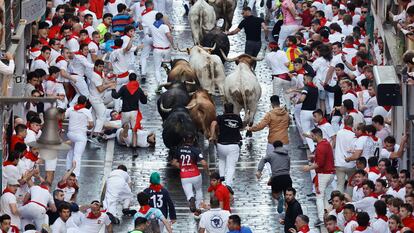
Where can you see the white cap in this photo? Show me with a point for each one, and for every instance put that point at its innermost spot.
(12, 182)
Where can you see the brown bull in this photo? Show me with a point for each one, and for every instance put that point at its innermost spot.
(203, 111)
(182, 71)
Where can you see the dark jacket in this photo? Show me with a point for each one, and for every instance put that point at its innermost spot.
(129, 102)
(162, 201)
(279, 162)
(293, 210)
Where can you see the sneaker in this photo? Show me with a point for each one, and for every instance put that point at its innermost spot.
(280, 203)
(311, 195)
(114, 220)
(249, 134)
(94, 140)
(193, 207)
(129, 212)
(319, 223)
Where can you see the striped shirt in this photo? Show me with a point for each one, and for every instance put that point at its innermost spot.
(120, 21)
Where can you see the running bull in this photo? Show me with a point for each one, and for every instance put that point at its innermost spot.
(224, 9)
(182, 71)
(242, 89)
(208, 67)
(202, 111)
(220, 39)
(176, 96)
(202, 19)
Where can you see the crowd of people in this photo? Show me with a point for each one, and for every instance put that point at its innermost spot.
(321, 60)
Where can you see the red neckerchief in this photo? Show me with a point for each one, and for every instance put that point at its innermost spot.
(119, 117)
(353, 218)
(374, 195)
(325, 40)
(335, 14)
(86, 41)
(112, 1)
(357, 43)
(33, 50)
(323, 121)
(146, 11)
(353, 110)
(351, 46)
(397, 189)
(44, 41)
(59, 59)
(79, 106)
(99, 73)
(51, 78)
(311, 84)
(29, 155)
(361, 228)
(156, 187)
(79, 53)
(115, 47)
(7, 163)
(40, 57)
(94, 216)
(374, 138)
(351, 92)
(337, 211)
(348, 128)
(304, 229)
(132, 87)
(301, 71)
(44, 187)
(336, 230)
(97, 44)
(374, 170)
(323, 21)
(383, 217)
(81, 9)
(144, 209)
(362, 135)
(60, 124)
(7, 190)
(86, 24)
(352, 13)
(387, 107)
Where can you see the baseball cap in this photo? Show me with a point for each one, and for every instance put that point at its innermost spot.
(12, 182)
(155, 178)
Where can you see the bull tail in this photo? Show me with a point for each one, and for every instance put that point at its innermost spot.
(224, 16)
(211, 67)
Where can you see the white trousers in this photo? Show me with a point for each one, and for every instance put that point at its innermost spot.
(33, 213)
(119, 83)
(147, 41)
(99, 111)
(188, 184)
(280, 86)
(335, 122)
(160, 55)
(117, 193)
(321, 201)
(329, 102)
(159, 5)
(296, 114)
(130, 118)
(285, 31)
(75, 153)
(251, 4)
(307, 123)
(228, 156)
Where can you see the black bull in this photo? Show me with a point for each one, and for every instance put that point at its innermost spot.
(175, 128)
(217, 36)
(175, 96)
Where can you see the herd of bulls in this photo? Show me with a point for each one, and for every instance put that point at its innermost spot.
(187, 107)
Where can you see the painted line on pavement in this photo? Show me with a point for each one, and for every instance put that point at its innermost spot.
(109, 156)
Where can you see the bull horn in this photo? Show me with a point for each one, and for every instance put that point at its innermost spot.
(210, 48)
(183, 50)
(192, 106)
(166, 84)
(226, 58)
(165, 109)
(190, 83)
(257, 58)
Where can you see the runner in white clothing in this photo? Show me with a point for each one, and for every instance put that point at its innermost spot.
(8, 202)
(41, 62)
(59, 226)
(215, 219)
(144, 138)
(94, 219)
(69, 41)
(162, 43)
(80, 119)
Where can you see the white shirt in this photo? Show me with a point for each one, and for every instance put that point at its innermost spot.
(350, 96)
(72, 44)
(387, 154)
(336, 37)
(358, 118)
(40, 64)
(368, 230)
(349, 227)
(95, 81)
(350, 52)
(366, 204)
(148, 19)
(142, 136)
(94, 49)
(357, 194)
(40, 195)
(347, 29)
(78, 120)
(119, 60)
(215, 220)
(344, 141)
(380, 226)
(130, 53)
(371, 104)
(112, 7)
(373, 176)
(9, 172)
(53, 55)
(59, 226)
(118, 173)
(80, 85)
(80, 65)
(327, 131)
(276, 61)
(68, 191)
(93, 225)
(5, 200)
(7, 69)
(339, 218)
(320, 66)
(54, 88)
(90, 30)
(62, 65)
(95, 22)
(32, 136)
(397, 193)
(159, 36)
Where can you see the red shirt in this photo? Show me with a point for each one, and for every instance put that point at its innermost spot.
(409, 222)
(324, 158)
(222, 194)
(14, 140)
(188, 158)
(306, 18)
(54, 32)
(97, 7)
